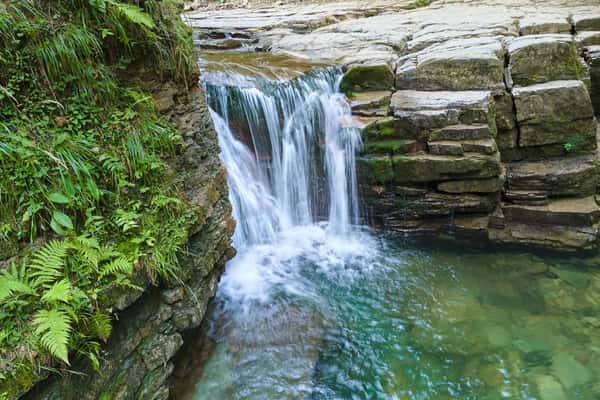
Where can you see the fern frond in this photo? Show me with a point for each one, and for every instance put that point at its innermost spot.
(133, 14)
(48, 262)
(101, 325)
(13, 282)
(120, 265)
(53, 329)
(59, 292)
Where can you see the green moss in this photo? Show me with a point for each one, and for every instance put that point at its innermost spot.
(375, 170)
(367, 77)
(418, 4)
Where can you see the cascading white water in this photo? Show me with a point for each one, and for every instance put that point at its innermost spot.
(291, 175)
(301, 156)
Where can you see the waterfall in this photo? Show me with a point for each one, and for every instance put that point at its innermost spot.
(289, 157)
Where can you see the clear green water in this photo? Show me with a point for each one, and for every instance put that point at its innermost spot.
(411, 322)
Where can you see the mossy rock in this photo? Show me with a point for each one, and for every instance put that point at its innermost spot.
(430, 168)
(364, 78)
(375, 170)
(390, 147)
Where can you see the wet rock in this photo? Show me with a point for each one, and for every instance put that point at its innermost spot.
(565, 212)
(569, 371)
(427, 167)
(391, 147)
(586, 39)
(549, 388)
(542, 58)
(555, 112)
(526, 197)
(462, 132)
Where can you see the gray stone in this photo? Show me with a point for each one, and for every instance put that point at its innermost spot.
(554, 112)
(543, 58)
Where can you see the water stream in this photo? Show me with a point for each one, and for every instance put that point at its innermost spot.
(314, 306)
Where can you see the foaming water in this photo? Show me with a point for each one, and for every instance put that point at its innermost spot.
(314, 307)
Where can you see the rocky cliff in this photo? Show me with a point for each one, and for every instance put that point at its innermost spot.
(477, 116)
(137, 359)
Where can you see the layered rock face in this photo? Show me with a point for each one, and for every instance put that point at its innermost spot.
(477, 116)
(137, 359)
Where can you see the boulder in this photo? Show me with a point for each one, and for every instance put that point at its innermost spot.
(574, 212)
(554, 112)
(542, 58)
(460, 64)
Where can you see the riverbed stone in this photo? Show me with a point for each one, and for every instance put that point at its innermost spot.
(542, 58)
(555, 112)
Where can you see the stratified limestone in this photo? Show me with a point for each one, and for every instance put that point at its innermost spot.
(535, 24)
(371, 103)
(506, 121)
(586, 20)
(587, 38)
(574, 176)
(542, 58)
(364, 78)
(565, 224)
(592, 55)
(418, 111)
(555, 112)
(491, 185)
(460, 64)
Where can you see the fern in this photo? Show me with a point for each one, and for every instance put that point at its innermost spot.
(53, 329)
(132, 14)
(13, 282)
(48, 263)
(59, 292)
(101, 325)
(119, 265)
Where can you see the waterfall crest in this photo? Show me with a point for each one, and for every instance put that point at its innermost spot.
(289, 157)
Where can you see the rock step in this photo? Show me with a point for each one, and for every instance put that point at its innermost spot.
(542, 58)
(458, 148)
(589, 38)
(555, 112)
(574, 176)
(527, 197)
(491, 185)
(427, 168)
(392, 147)
(423, 112)
(371, 104)
(462, 132)
(583, 212)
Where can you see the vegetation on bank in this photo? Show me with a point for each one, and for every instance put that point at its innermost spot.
(87, 196)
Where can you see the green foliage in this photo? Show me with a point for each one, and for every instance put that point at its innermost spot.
(85, 167)
(576, 143)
